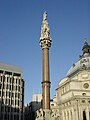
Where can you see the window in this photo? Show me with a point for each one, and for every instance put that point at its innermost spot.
(83, 101)
(8, 73)
(9, 101)
(11, 109)
(13, 80)
(3, 86)
(1, 71)
(12, 94)
(5, 117)
(0, 93)
(6, 101)
(15, 102)
(7, 79)
(84, 115)
(16, 81)
(7, 94)
(8, 86)
(2, 108)
(18, 102)
(12, 87)
(84, 94)
(17, 74)
(12, 102)
(3, 101)
(16, 88)
(22, 83)
(10, 80)
(1, 116)
(1, 78)
(0, 85)
(8, 109)
(19, 88)
(19, 81)
(36, 98)
(18, 95)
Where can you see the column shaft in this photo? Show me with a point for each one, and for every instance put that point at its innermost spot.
(46, 79)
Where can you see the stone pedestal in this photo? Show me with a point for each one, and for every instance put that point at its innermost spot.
(47, 114)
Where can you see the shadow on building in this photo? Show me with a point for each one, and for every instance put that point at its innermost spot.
(30, 110)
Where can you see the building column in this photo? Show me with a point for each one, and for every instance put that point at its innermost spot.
(87, 113)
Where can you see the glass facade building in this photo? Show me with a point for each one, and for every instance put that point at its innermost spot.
(11, 92)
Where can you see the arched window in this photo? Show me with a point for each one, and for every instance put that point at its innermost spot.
(84, 115)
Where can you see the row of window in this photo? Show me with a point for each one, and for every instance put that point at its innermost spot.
(63, 90)
(10, 80)
(11, 102)
(9, 109)
(10, 87)
(9, 117)
(9, 73)
(10, 94)
(69, 115)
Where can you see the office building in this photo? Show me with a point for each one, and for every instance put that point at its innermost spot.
(11, 92)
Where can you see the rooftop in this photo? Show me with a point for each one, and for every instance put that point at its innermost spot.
(10, 68)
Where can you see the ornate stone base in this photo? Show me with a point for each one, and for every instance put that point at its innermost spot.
(47, 114)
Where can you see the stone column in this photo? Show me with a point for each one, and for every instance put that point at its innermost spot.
(45, 43)
(46, 79)
(87, 113)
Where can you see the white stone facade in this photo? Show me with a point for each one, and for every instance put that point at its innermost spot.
(73, 97)
(73, 92)
(36, 97)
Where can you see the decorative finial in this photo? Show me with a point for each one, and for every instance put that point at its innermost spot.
(45, 16)
(85, 40)
(86, 47)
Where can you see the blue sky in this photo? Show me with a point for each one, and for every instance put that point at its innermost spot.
(20, 26)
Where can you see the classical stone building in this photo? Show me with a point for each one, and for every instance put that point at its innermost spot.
(73, 91)
(11, 92)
